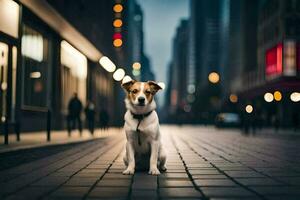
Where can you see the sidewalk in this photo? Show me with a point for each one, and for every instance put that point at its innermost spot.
(203, 163)
(38, 139)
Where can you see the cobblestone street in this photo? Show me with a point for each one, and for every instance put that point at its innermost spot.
(203, 163)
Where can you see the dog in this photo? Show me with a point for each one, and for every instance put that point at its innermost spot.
(142, 128)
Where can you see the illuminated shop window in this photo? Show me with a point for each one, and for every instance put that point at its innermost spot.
(35, 66)
(74, 73)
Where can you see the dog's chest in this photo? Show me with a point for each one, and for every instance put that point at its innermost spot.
(141, 143)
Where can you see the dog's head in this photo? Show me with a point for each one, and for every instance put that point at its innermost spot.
(141, 93)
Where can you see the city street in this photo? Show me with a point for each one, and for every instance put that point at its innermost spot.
(203, 163)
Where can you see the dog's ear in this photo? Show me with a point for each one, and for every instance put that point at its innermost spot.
(127, 85)
(154, 86)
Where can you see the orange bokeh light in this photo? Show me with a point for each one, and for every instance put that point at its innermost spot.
(117, 23)
(118, 8)
(117, 42)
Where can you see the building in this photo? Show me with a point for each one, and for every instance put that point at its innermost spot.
(208, 53)
(270, 86)
(44, 61)
(177, 95)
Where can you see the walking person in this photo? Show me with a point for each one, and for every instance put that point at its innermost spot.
(90, 116)
(74, 108)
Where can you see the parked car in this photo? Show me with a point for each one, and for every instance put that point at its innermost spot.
(227, 120)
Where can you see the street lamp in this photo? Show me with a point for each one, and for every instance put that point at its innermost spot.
(119, 74)
(268, 97)
(107, 64)
(214, 77)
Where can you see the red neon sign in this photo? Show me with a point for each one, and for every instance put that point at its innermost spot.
(274, 61)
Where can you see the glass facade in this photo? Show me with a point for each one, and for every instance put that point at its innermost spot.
(35, 67)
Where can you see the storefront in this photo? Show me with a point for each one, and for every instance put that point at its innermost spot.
(43, 65)
(9, 48)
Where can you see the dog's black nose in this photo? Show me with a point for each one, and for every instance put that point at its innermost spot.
(141, 100)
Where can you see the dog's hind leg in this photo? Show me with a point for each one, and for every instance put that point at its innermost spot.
(162, 158)
(125, 159)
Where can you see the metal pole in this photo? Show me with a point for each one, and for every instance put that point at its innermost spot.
(48, 125)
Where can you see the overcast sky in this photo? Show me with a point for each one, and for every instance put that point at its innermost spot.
(161, 17)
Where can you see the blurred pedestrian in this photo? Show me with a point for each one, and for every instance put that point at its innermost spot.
(295, 121)
(74, 111)
(103, 119)
(90, 116)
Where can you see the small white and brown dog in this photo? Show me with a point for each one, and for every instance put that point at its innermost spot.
(142, 128)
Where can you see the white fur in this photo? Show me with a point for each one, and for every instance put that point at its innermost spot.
(149, 135)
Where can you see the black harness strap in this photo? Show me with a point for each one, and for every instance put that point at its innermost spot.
(140, 118)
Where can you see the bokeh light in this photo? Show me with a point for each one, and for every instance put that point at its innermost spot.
(268, 97)
(119, 74)
(295, 97)
(117, 42)
(233, 98)
(277, 96)
(136, 66)
(249, 108)
(118, 8)
(117, 23)
(214, 77)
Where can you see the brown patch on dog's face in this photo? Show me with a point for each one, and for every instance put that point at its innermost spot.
(134, 91)
(141, 93)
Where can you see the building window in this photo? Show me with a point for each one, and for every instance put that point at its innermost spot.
(35, 66)
(74, 73)
(9, 15)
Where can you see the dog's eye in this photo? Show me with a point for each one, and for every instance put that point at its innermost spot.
(148, 92)
(134, 91)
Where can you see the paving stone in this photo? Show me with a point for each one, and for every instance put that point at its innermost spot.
(137, 194)
(210, 176)
(116, 176)
(109, 192)
(276, 190)
(173, 176)
(68, 192)
(258, 182)
(31, 192)
(179, 192)
(114, 183)
(290, 180)
(81, 181)
(203, 172)
(215, 182)
(51, 180)
(175, 183)
(241, 174)
(226, 192)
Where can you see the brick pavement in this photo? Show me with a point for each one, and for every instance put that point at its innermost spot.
(203, 163)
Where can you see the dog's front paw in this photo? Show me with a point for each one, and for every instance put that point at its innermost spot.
(163, 168)
(128, 171)
(154, 171)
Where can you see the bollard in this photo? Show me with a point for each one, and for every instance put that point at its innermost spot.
(5, 130)
(17, 130)
(48, 125)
